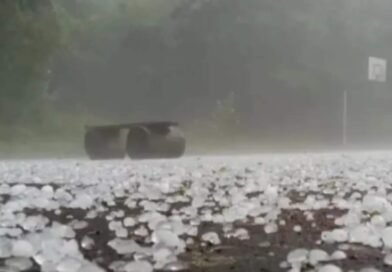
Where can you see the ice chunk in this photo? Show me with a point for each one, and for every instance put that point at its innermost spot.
(35, 223)
(260, 221)
(338, 255)
(386, 236)
(369, 269)
(117, 265)
(13, 232)
(138, 266)
(317, 255)
(141, 231)
(22, 248)
(176, 266)
(115, 225)
(47, 191)
(297, 228)
(90, 267)
(62, 231)
(129, 222)
(211, 237)
(297, 256)
(87, 243)
(329, 268)
(241, 234)
(78, 225)
(19, 263)
(5, 247)
(18, 189)
(366, 235)
(121, 233)
(192, 231)
(69, 264)
(378, 221)
(163, 256)
(124, 247)
(91, 215)
(271, 228)
(335, 236)
(388, 259)
(167, 238)
(71, 248)
(374, 203)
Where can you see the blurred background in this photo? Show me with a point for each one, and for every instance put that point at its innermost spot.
(238, 75)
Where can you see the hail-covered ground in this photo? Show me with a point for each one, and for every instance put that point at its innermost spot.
(309, 212)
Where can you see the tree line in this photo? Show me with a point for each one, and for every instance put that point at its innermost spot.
(282, 64)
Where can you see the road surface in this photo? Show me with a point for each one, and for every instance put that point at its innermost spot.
(300, 212)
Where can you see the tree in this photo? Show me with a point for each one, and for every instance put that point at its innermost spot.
(30, 33)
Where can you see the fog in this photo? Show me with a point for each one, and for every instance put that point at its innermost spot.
(252, 73)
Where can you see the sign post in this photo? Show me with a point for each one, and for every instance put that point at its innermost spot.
(377, 72)
(344, 119)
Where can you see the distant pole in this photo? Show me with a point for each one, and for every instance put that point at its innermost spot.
(344, 119)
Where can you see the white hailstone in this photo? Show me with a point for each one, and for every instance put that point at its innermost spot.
(140, 256)
(18, 189)
(47, 191)
(241, 234)
(339, 235)
(386, 236)
(78, 225)
(87, 243)
(192, 231)
(378, 221)
(117, 265)
(373, 203)
(329, 268)
(5, 248)
(62, 231)
(176, 266)
(264, 244)
(69, 264)
(121, 233)
(338, 255)
(115, 225)
(141, 231)
(138, 266)
(124, 247)
(350, 220)
(129, 222)
(71, 248)
(365, 235)
(189, 241)
(211, 237)
(369, 269)
(12, 232)
(259, 221)
(19, 263)
(388, 259)
(34, 223)
(270, 228)
(168, 239)
(297, 256)
(297, 228)
(91, 215)
(90, 267)
(317, 255)
(22, 248)
(271, 193)
(163, 256)
(82, 201)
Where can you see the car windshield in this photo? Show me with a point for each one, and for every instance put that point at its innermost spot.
(195, 135)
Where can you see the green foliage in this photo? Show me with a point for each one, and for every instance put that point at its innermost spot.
(30, 38)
